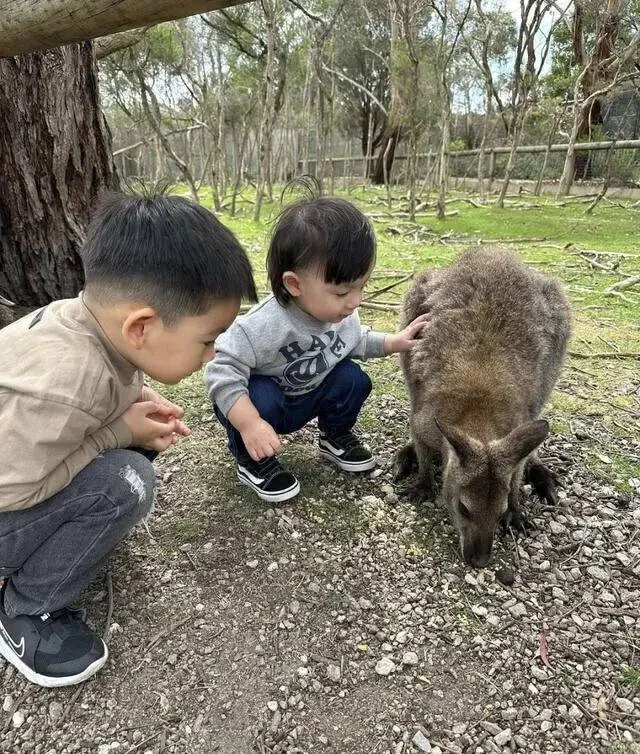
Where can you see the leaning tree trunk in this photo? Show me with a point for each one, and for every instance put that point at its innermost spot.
(55, 158)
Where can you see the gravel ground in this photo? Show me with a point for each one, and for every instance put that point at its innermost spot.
(348, 623)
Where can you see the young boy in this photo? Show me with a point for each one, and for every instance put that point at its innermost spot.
(289, 359)
(163, 279)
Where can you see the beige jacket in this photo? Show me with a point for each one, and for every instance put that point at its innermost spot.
(63, 390)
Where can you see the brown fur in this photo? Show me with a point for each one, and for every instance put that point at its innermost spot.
(484, 368)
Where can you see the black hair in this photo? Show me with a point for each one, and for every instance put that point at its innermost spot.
(324, 232)
(165, 251)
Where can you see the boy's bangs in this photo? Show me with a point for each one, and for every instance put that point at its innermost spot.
(350, 261)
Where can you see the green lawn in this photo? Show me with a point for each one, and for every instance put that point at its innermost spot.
(587, 252)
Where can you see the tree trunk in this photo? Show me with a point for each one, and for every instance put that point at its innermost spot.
(443, 168)
(55, 158)
(547, 151)
(268, 111)
(483, 142)
(151, 109)
(384, 161)
(515, 143)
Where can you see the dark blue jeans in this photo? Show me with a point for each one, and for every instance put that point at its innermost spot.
(50, 552)
(336, 403)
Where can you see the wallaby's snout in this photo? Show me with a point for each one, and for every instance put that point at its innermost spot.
(476, 552)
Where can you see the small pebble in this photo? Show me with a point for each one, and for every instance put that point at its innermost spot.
(385, 666)
(503, 737)
(409, 658)
(333, 673)
(625, 705)
(421, 742)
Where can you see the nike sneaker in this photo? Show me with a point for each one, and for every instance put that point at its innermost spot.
(52, 649)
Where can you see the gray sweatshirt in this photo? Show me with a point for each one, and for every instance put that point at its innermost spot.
(285, 343)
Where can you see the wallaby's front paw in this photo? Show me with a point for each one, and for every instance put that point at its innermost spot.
(515, 521)
(405, 463)
(415, 491)
(543, 482)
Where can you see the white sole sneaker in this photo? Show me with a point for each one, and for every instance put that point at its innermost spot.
(270, 497)
(51, 682)
(367, 465)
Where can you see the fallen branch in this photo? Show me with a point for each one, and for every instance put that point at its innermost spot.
(623, 285)
(142, 743)
(401, 213)
(511, 240)
(380, 307)
(69, 706)
(467, 200)
(593, 262)
(166, 632)
(606, 355)
(386, 288)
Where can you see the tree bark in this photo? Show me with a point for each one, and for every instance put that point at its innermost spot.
(55, 158)
(43, 24)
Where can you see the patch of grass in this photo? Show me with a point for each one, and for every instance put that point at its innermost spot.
(613, 466)
(631, 677)
(597, 391)
(621, 747)
(178, 531)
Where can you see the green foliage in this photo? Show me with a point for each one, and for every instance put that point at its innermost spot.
(564, 68)
(164, 47)
(457, 145)
(631, 677)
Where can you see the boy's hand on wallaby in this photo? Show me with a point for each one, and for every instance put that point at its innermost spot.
(406, 339)
(149, 394)
(261, 440)
(153, 425)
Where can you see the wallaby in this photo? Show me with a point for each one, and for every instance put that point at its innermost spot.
(484, 367)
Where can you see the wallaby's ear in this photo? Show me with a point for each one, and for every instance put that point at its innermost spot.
(521, 441)
(459, 441)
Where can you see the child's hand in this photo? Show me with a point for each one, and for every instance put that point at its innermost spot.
(261, 440)
(149, 394)
(153, 426)
(406, 339)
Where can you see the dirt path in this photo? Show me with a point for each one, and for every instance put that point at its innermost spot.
(241, 629)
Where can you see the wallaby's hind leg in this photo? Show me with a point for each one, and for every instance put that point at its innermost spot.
(405, 463)
(542, 480)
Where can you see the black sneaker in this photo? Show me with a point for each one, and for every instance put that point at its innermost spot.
(53, 649)
(346, 451)
(268, 479)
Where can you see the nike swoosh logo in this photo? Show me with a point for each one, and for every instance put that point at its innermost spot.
(17, 648)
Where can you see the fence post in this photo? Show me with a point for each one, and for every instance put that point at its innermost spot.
(492, 168)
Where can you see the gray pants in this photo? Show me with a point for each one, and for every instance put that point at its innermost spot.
(50, 552)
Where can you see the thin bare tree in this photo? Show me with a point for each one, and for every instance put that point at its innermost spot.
(606, 67)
